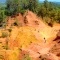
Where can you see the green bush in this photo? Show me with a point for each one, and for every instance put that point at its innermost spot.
(4, 34)
(26, 57)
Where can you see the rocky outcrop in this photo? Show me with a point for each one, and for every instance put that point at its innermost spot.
(31, 37)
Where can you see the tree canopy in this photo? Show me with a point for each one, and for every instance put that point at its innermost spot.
(45, 9)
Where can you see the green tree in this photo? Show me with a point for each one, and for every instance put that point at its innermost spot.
(33, 5)
(23, 5)
(16, 6)
(12, 7)
(2, 16)
(29, 5)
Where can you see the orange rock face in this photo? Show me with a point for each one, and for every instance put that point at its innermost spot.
(32, 39)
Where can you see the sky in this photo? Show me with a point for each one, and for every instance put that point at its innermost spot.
(52, 0)
(2, 1)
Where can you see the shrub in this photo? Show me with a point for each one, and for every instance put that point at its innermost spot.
(10, 30)
(26, 57)
(4, 34)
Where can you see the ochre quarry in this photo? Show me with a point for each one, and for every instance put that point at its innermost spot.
(32, 40)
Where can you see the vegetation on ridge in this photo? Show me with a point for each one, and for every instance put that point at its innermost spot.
(45, 10)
